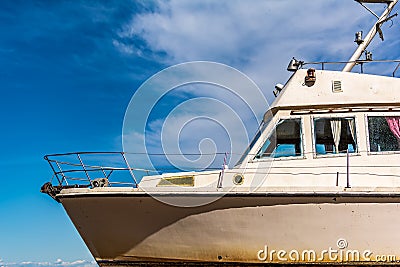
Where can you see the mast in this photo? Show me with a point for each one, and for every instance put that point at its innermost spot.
(371, 34)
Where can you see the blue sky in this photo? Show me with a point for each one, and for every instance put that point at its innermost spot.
(68, 70)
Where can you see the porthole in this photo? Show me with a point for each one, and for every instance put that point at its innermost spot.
(238, 179)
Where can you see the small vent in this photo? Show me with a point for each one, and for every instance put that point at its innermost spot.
(337, 86)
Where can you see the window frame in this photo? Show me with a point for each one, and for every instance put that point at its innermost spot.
(326, 116)
(378, 114)
(266, 136)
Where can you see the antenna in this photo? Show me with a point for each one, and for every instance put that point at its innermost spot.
(363, 44)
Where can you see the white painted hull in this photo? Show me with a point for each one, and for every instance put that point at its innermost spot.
(239, 228)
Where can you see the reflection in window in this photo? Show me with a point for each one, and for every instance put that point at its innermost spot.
(384, 133)
(285, 140)
(335, 135)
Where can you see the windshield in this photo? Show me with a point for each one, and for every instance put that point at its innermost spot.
(263, 125)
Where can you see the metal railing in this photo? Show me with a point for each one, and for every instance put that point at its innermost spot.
(107, 168)
(94, 169)
(88, 167)
(360, 62)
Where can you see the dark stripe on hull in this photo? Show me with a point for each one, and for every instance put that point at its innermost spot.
(231, 264)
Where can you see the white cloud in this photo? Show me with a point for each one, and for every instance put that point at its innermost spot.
(257, 37)
(123, 47)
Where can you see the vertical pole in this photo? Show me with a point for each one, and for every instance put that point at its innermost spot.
(348, 169)
(221, 175)
(337, 178)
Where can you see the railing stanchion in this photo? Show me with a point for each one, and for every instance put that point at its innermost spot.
(221, 175)
(130, 170)
(105, 175)
(83, 166)
(55, 173)
(62, 173)
(394, 72)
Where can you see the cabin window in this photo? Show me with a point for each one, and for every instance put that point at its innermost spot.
(384, 133)
(334, 135)
(285, 140)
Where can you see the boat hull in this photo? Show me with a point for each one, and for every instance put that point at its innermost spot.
(128, 229)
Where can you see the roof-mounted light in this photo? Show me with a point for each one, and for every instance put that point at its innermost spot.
(278, 89)
(310, 78)
(294, 65)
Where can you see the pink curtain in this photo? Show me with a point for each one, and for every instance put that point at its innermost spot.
(394, 125)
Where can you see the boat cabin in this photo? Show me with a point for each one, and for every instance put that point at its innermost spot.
(339, 130)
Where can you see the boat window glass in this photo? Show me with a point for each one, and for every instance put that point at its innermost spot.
(334, 135)
(284, 141)
(384, 133)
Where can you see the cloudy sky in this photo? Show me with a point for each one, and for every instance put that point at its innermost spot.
(68, 70)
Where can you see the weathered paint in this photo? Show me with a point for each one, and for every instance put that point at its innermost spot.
(235, 228)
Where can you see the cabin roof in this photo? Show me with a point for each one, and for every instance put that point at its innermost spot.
(334, 88)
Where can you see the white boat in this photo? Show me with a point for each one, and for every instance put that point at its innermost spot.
(320, 183)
